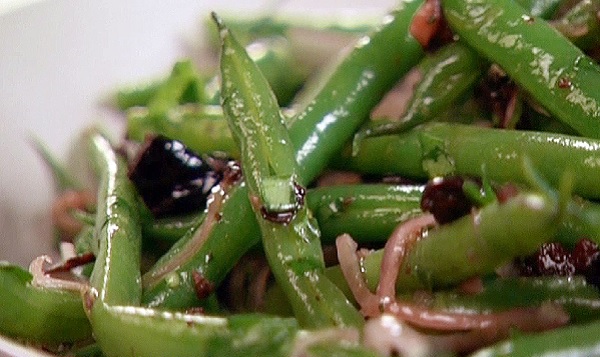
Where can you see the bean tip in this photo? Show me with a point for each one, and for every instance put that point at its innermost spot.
(220, 23)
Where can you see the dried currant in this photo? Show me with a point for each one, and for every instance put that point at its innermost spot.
(445, 199)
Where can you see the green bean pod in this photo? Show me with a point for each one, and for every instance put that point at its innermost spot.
(182, 85)
(368, 212)
(581, 221)
(63, 179)
(346, 98)
(543, 62)
(290, 237)
(150, 332)
(484, 240)
(135, 331)
(579, 340)
(317, 135)
(447, 75)
(202, 128)
(115, 279)
(579, 299)
(545, 9)
(138, 95)
(438, 149)
(39, 315)
(171, 229)
(274, 56)
(219, 253)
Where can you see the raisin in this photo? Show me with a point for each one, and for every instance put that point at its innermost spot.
(583, 254)
(445, 199)
(592, 274)
(550, 259)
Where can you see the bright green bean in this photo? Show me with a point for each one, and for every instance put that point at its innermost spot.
(39, 315)
(368, 212)
(202, 128)
(438, 149)
(447, 75)
(580, 340)
(543, 62)
(355, 87)
(115, 279)
(289, 234)
(484, 239)
(579, 299)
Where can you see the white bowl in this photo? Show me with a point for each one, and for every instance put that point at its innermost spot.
(59, 57)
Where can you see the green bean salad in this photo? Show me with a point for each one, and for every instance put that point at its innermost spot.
(422, 186)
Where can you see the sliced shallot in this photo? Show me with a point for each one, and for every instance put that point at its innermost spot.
(43, 280)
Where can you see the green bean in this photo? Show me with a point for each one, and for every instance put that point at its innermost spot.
(580, 340)
(170, 229)
(545, 9)
(326, 349)
(138, 95)
(289, 234)
(92, 350)
(224, 246)
(85, 241)
(133, 331)
(438, 149)
(146, 332)
(274, 55)
(63, 179)
(547, 65)
(368, 212)
(582, 221)
(202, 128)
(355, 87)
(183, 85)
(116, 275)
(38, 314)
(183, 82)
(331, 119)
(483, 239)
(580, 300)
(447, 75)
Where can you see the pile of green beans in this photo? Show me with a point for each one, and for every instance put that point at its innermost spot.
(288, 125)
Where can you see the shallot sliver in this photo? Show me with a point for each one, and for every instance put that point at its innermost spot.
(43, 280)
(423, 316)
(395, 250)
(350, 266)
